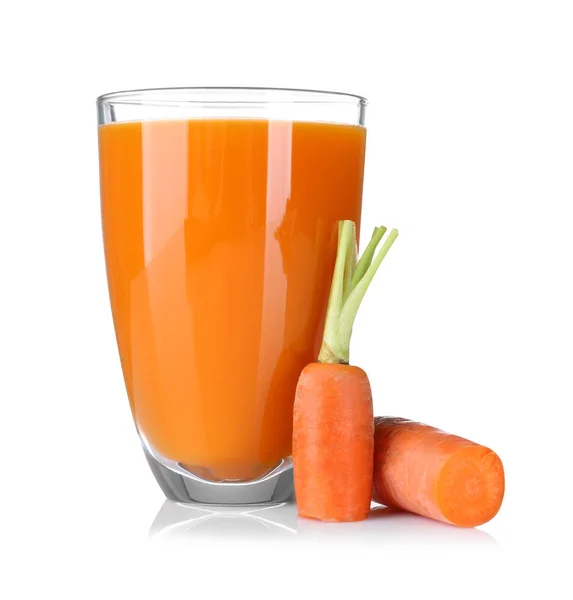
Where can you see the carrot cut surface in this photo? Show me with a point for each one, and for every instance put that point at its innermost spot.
(427, 471)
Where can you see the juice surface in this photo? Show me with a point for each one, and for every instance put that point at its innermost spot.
(220, 239)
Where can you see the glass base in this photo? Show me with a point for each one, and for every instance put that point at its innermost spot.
(180, 485)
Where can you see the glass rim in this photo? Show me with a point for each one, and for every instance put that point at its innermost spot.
(274, 95)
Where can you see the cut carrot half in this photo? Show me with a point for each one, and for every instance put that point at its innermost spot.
(424, 470)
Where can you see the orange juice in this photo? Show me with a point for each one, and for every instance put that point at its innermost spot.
(220, 240)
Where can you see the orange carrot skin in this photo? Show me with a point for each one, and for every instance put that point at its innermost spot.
(333, 443)
(424, 470)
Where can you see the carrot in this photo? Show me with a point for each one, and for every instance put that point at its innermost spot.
(333, 422)
(424, 470)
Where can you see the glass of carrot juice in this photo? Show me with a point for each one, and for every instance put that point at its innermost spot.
(220, 209)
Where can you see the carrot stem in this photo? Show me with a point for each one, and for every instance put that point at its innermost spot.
(351, 306)
(368, 254)
(350, 282)
(350, 265)
(346, 240)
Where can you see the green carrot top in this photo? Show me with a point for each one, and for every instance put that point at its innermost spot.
(350, 281)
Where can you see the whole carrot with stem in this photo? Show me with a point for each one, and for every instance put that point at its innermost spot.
(333, 423)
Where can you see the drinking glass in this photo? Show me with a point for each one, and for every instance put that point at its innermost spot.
(219, 210)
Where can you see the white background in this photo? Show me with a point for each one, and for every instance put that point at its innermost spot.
(468, 326)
